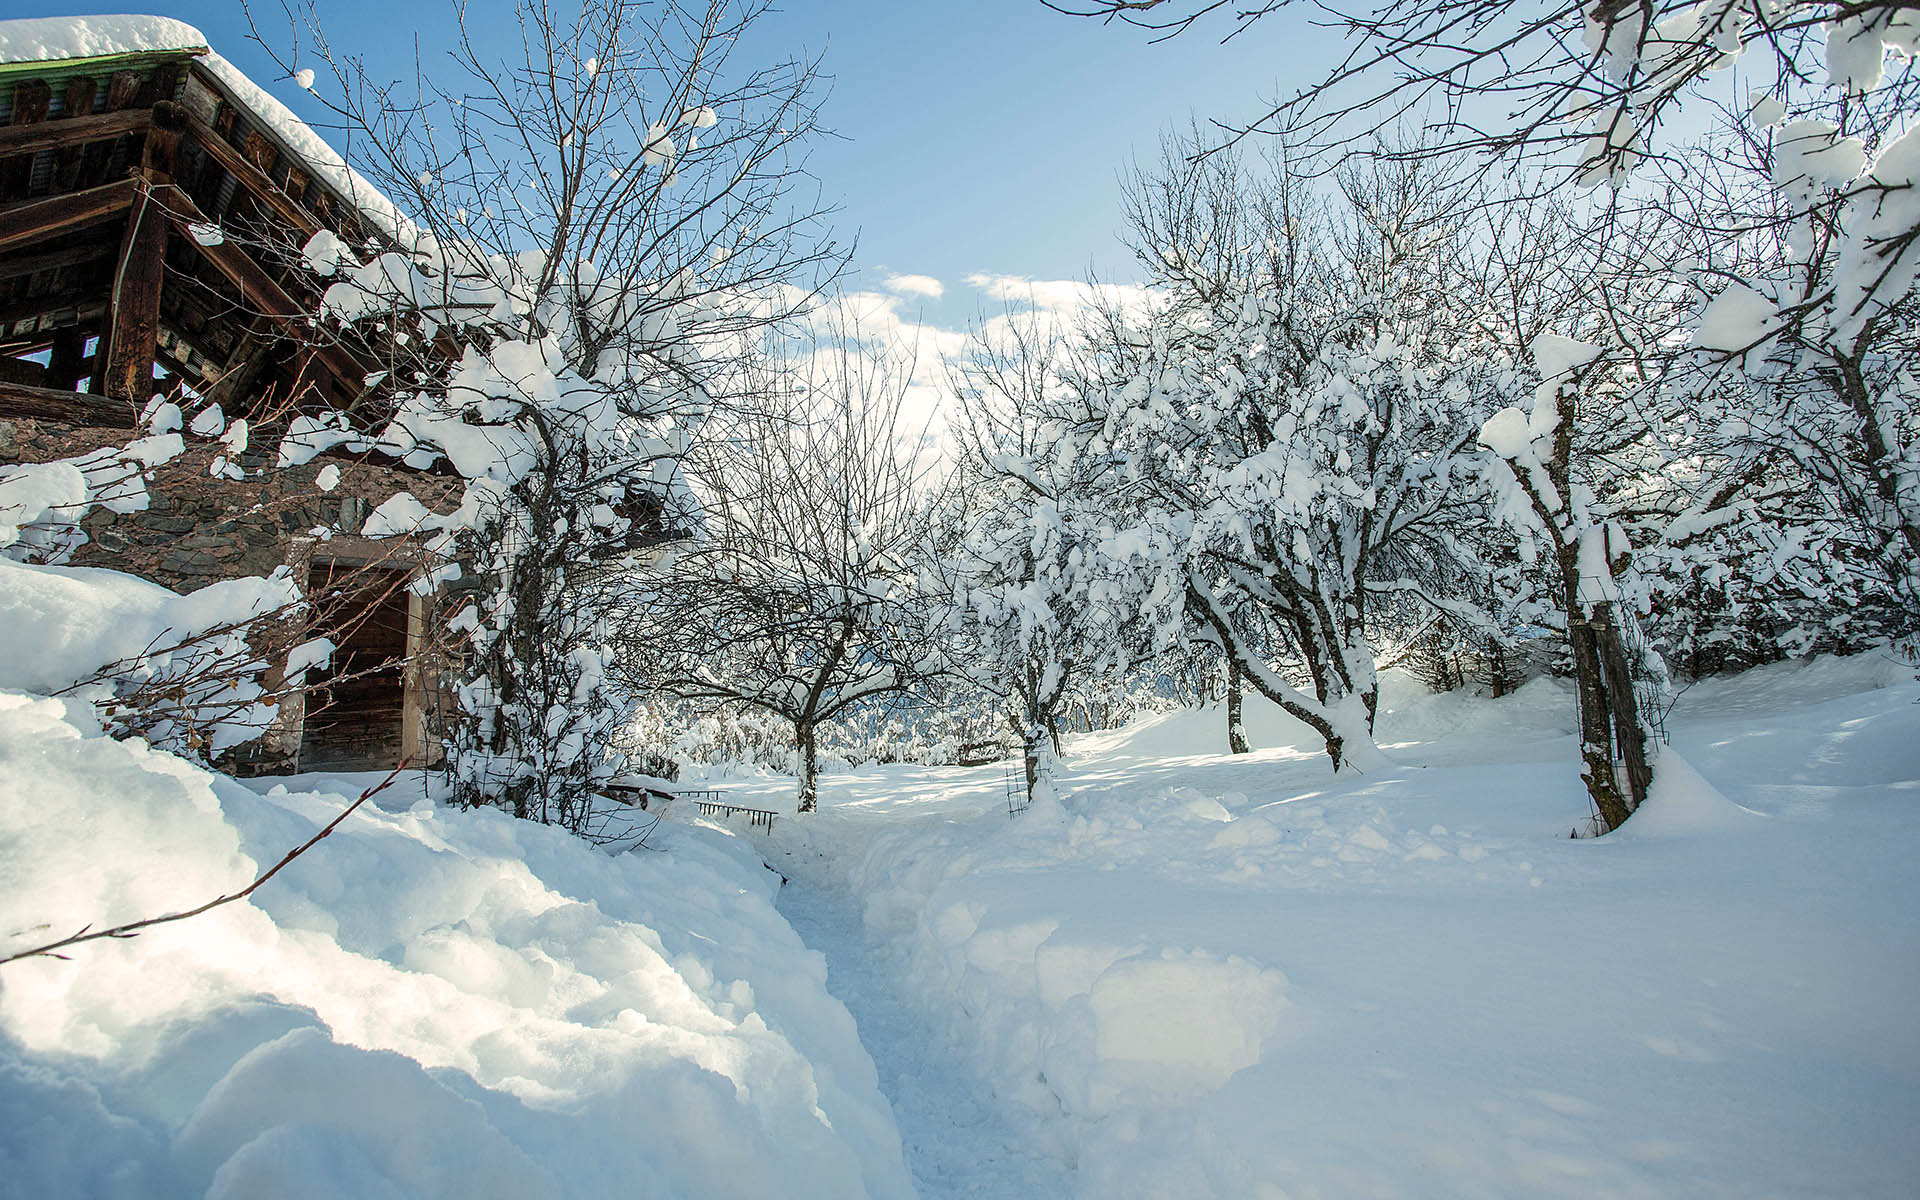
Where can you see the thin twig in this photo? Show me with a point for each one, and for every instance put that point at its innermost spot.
(134, 928)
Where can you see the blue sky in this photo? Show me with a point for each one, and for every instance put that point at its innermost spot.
(977, 137)
(987, 136)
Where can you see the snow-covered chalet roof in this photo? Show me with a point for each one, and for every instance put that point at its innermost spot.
(57, 39)
(74, 41)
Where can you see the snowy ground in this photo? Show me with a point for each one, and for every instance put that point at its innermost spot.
(432, 1005)
(1221, 976)
(1202, 975)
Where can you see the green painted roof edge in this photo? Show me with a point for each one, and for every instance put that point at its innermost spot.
(61, 68)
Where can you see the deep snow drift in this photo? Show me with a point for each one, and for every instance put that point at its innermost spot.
(432, 1003)
(1216, 976)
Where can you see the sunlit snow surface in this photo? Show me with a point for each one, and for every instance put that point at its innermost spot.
(432, 1004)
(1218, 976)
(1206, 976)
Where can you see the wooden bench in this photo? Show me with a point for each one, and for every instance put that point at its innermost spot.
(979, 754)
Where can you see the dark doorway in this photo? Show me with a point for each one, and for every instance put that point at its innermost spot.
(356, 709)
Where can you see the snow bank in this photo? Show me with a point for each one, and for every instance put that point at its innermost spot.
(1682, 803)
(432, 1003)
(176, 670)
(66, 623)
(1211, 975)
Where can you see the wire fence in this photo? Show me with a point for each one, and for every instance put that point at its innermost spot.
(1018, 798)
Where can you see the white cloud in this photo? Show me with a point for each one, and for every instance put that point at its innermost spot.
(916, 285)
(1053, 306)
(875, 317)
(920, 352)
(1066, 298)
(917, 354)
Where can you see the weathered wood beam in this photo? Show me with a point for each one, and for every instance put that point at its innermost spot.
(67, 309)
(24, 265)
(72, 131)
(259, 288)
(22, 370)
(122, 89)
(240, 374)
(71, 408)
(31, 100)
(257, 182)
(161, 149)
(38, 220)
(266, 296)
(77, 104)
(134, 338)
(135, 332)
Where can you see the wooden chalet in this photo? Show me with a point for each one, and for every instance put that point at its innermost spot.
(152, 206)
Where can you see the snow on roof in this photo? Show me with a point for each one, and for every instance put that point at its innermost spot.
(55, 39)
(322, 159)
(51, 39)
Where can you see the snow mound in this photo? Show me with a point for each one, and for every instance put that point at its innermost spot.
(1177, 1025)
(432, 1003)
(1793, 683)
(1682, 803)
(65, 623)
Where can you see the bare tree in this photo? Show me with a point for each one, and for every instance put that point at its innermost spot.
(1035, 611)
(799, 595)
(1537, 79)
(584, 239)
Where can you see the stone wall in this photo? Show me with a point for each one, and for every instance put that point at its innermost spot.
(199, 528)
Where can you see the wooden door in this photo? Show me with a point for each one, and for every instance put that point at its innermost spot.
(355, 710)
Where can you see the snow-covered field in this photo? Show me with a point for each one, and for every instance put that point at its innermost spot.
(1221, 976)
(1200, 975)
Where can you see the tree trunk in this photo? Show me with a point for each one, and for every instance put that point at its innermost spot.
(1609, 710)
(1629, 732)
(1499, 676)
(1603, 678)
(1596, 725)
(1236, 727)
(807, 741)
(1345, 685)
(1037, 745)
(1349, 734)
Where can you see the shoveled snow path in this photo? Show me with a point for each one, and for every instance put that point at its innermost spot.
(960, 1140)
